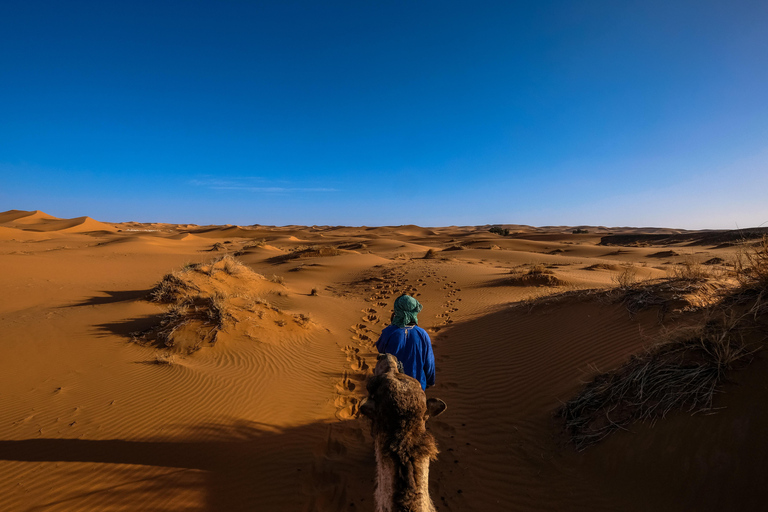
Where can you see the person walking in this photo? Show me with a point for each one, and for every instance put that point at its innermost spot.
(408, 342)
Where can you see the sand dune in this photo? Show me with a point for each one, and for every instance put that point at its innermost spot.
(39, 221)
(21, 217)
(253, 403)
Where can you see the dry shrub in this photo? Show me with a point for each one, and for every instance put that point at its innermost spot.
(170, 287)
(302, 319)
(690, 270)
(314, 292)
(645, 298)
(232, 266)
(626, 278)
(430, 254)
(682, 374)
(165, 359)
(256, 244)
(751, 265)
(538, 270)
(312, 252)
(194, 317)
(685, 371)
(305, 251)
(537, 275)
(208, 314)
(277, 279)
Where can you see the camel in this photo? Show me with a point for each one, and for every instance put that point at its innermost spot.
(399, 409)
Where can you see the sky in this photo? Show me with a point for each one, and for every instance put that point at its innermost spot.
(629, 113)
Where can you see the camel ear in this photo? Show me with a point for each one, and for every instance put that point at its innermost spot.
(435, 407)
(367, 407)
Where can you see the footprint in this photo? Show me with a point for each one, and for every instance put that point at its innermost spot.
(348, 408)
(358, 363)
(345, 385)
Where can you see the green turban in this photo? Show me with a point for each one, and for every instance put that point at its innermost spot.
(406, 309)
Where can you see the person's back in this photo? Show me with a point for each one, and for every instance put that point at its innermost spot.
(408, 342)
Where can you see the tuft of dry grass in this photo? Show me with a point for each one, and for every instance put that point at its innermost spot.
(231, 266)
(626, 278)
(537, 275)
(538, 270)
(682, 374)
(165, 359)
(194, 317)
(277, 279)
(307, 251)
(430, 254)
(751, 265)
(170, 287)
(690, 269)
(302, 319)
(256, 244)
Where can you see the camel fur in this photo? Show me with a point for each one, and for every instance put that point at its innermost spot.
(398, 409)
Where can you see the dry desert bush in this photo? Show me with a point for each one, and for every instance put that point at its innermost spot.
(537, 275)
(751, 264)
(626, 278)
(256, 244)
(678, 374)
(690, 269)
(204, 300)
(302, 319)
(683, 371)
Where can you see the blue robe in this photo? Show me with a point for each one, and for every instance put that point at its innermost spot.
(412, 347)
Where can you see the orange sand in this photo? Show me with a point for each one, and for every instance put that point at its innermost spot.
(267, 418)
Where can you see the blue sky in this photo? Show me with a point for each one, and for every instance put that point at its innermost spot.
(361, 113)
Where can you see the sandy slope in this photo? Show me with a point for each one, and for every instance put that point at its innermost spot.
(266, 419)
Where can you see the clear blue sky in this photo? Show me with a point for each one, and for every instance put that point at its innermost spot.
(641, 113)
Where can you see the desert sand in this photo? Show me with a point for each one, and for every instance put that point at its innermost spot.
(107, 404)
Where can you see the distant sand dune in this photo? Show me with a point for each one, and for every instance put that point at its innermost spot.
(39, 221)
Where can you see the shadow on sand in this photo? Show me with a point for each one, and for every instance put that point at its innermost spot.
(111, 298)
(249, 466)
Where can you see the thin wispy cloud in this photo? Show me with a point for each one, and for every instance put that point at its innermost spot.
(255, 184)
(277, 189)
